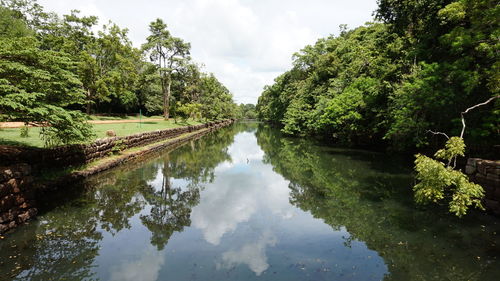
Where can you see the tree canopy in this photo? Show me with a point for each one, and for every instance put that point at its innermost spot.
(54, 68)
(390, 82)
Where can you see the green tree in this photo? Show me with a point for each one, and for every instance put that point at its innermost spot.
(247, 111)
(217, 101)
(169, 54)
(36, 86)
(108, 69)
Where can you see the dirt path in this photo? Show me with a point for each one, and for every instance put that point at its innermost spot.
(20, 124)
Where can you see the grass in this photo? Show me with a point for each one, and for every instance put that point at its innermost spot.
(11, 136)
(123, 117)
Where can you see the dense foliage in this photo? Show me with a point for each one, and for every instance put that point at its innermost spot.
(54, 68)
(390, 82)
(437, 180)
(247, 111)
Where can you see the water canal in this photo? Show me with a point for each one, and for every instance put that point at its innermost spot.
(246, 203)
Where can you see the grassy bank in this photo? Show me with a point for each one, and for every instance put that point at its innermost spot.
(11, 136)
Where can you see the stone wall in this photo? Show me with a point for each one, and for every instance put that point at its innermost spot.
(16, 196)
(78, 154)
(487, 174)
(20, 165)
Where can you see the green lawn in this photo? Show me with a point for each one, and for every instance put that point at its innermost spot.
(128, 117)
(12, 136)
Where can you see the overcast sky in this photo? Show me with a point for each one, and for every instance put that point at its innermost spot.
(245, 43)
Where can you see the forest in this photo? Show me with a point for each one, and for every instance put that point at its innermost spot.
(398, 81)
(57, 70)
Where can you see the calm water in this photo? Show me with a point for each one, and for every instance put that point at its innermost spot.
(245, 203)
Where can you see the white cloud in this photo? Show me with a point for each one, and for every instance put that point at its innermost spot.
(230, 201)
(246, 43)
(146, 268)
(252, 254)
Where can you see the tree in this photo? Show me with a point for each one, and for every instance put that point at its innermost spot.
(169, 54)
(108, 68)
(248, 111)
(148, 88)
(36, 86)
(11, 25)
(217, 101)
(437, 179)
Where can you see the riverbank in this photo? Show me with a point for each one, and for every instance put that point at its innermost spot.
(31, 173)
(101, 128)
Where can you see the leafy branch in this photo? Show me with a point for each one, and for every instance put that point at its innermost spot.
(436, 180)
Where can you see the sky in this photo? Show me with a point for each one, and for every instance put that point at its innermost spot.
(245, 43)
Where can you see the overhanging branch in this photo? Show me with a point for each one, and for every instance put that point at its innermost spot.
(471, 108)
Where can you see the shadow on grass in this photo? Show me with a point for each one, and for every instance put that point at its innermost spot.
(14, 143)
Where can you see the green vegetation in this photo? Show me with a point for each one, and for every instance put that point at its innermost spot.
(54, 68)
(392, 82)
(123, 117)
(388, 83)
(436, 180)
(11, 135)
(366, 194)
(247, 111)
(169, 54)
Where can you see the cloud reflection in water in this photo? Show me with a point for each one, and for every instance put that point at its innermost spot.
(230, 201)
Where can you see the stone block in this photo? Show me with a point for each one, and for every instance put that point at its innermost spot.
(484, 165)
(19, 199)
(492, 176)
(7, 202)
(6, 174)
(10, 215)
(14, 185)
(23, 217)
(495, 171)
(4, 228)
(484, 181)
(5, 190)
(469, 169)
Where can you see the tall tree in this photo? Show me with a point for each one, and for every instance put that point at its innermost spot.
(169, 54)
(108, 68)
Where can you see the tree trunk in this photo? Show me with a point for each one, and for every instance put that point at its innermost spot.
(88, 102)
(166, 99)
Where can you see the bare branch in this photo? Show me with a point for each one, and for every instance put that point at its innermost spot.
(438, 133)
(471, 108)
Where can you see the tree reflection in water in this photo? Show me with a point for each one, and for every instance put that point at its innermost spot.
(170, 210)
(64, 242)
(364, 193)
(370, 195)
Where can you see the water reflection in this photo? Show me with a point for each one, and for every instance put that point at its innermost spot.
(65, 242)
(233, 200)
(248, 204)
(369, 195)
(146, 268)
(252, 254)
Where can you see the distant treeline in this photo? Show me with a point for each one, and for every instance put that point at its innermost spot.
(389, 82)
